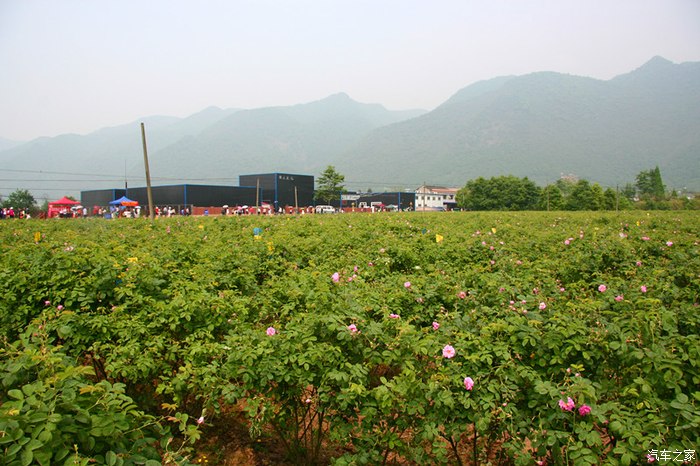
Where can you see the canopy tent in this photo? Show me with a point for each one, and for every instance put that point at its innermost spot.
(61, 206)
(64, 201)
(124, 201)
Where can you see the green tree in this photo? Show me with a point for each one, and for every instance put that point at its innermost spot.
(20, 199)
(566, 185)
(329, 185)
(650, 185)
(610, 199)
(585, 196)
(499, 193)
(629, 192)
(552, 198)
(615, 200)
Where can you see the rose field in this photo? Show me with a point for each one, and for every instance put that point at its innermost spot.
(395, 338)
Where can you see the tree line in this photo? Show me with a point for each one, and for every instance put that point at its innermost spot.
(568, 193)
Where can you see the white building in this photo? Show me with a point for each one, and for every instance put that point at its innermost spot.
(435, 198)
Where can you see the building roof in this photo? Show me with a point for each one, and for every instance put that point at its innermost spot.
(437, 190)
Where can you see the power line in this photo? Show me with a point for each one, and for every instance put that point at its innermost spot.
(107, 177)
(53, 179)
(59, 173)
(166, 178)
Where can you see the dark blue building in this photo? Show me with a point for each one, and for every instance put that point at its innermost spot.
(282, 189)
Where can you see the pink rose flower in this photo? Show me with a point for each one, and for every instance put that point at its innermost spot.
(200, 421)
(643, 289)
(407, 285)
(468, 383)
(567, 405)
(584, 410)
(394, 316)
(448, 352)
(543, 306)
(619, 298)
(436, 326)
(335, 277)
(270, 331)
(352, 328)
(462, 295)
(602, 288)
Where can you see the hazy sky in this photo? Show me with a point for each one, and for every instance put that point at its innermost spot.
(74, 66)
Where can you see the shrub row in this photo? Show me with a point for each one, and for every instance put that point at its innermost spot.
(462, 338)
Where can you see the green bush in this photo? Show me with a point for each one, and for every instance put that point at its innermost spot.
(51, 412)
(168, 322)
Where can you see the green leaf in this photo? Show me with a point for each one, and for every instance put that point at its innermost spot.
(13, 449)
(42, 457)
(28, 389)
(61, 453)
(111, 458)
(33, 444)
(27, 457)
(64, 331)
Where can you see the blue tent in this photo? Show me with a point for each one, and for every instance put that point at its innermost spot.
(124, 201)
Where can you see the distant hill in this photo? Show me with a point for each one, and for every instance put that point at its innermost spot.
(298, 139)
(540, 125)
(8, 144)
(543, 125)
(211, 147)
(104, 156)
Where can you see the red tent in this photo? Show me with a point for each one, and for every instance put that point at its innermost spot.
(63, 204)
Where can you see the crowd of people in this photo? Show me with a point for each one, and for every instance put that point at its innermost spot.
(169, 211)
(73, 212)
(10, 212)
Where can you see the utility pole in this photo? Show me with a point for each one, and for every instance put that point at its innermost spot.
(296, 201)
(257, 195)
(151, 212)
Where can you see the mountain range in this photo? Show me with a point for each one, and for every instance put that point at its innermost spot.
(545, 125)
(541, 125)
